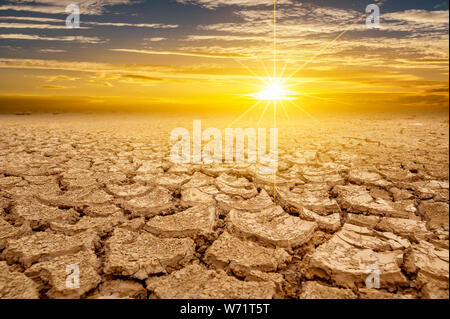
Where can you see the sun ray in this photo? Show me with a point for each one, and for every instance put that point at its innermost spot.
(274, 39)
(248, 82)
(266, 71)
(237, 119)
(263, 113)
(324, 99)
(285, 112)
(305, 112)
(262, 79)
(244, 114)
(283, 70)
(294, 84)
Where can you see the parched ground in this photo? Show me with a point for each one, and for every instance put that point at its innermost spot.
(355, 195)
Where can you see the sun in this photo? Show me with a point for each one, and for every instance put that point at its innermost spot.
(274, 91)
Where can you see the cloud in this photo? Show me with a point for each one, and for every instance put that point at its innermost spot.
(9, 25)
(213, 55)
(81, 39)
(134, 25)
(419, 16)
(242, 3)
(89, 7)
(52, 51)
(55, 87)
(425, 61)
(62, 24)
(100, 83)
(56, 78)
(106, 71)
(139, 79)
(37, 19)
(155, 39)
(306, 30)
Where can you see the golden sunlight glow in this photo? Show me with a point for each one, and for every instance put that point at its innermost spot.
(275, 91)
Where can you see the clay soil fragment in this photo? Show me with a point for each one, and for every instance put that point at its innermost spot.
(199, 180)
(101, 210)
(242, 256)
(128, 191)
(357, 199)
(54, 274)
(77, 198)
(432, 267)
(44, 246)
(439, 191)
(362, 220)
(120, 289)
(197, 282)
(316, 200)
(412, 229)
(194, 222)
(158, 201)
(362, 177)
(366, 293)
(315, 290)
(39, 215)
(272, 226)
(172, 182)
(235, 186)
(347, 256)
(256, 204)
(139, 255)
(330, 223)
(15, 285)
(196, 197)
(437, 214)
(101, 225)
(8, 231)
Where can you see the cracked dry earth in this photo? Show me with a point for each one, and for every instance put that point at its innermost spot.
(100, 192)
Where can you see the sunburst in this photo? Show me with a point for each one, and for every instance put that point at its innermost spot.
(275, 90)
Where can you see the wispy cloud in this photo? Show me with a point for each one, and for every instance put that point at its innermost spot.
(37, 19)
(134, 25)
(8, 25)
(56, 78)
(241, 3)
(154, 39)
(213, 55)
(61, 24)
(81, 39)
(52, 51)
(55, 87)
(419, 16)
(90, 7)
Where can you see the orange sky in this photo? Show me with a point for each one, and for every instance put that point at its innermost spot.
(211, 54)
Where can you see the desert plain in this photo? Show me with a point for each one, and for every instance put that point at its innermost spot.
(355, 196)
